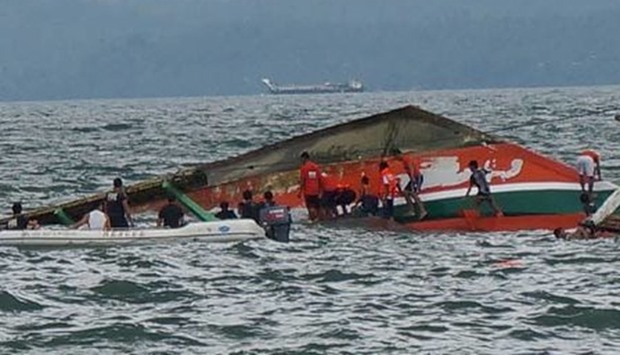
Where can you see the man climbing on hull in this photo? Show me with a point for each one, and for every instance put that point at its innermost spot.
(413, 188)
(478, 179)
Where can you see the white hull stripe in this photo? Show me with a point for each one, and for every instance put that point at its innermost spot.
(516, 187)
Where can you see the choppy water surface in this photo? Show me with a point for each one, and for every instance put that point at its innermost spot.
(343, 290)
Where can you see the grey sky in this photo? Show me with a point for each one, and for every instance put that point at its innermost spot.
(57, 49)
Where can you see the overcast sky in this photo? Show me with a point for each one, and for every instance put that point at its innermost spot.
(62, 49)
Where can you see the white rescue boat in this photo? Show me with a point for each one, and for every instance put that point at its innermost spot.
(218, 231)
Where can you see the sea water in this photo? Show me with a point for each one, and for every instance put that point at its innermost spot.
(332, 289)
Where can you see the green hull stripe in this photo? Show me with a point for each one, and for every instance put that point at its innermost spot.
(198, 211)
(511, 203)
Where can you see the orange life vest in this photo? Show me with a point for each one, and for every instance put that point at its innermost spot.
(387, 178)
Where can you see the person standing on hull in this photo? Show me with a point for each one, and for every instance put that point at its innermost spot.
(310, 186)
(116, 206)
(478, 179)
(96, 220)
(414, 186)
(589, 169)
(171, 215)
(389, 190)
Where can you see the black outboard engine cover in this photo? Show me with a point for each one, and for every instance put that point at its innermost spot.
(277, 222)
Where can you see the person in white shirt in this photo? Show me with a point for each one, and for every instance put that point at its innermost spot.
(96, 220)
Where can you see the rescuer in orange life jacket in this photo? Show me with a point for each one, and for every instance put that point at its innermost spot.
(310, 185)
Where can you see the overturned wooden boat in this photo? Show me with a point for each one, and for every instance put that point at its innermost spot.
(212, 232)
(534, 191)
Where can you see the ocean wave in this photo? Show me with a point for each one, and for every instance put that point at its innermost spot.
(12, 303)
(335, 288)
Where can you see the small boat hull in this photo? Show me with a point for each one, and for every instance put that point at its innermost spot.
(219, 231)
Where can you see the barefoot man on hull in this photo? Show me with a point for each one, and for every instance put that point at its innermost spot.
(414, 186)
(478, 179)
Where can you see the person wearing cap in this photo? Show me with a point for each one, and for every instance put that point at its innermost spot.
(310, 185)
(589, 169)
(116, 206)
(20, 221)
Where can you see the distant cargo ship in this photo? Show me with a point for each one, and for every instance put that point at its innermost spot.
(326, 88)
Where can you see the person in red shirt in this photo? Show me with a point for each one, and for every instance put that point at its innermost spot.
(310, 185)
(389, 190)
(414, 186)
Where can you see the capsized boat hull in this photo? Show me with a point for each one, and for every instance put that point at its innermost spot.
(409, 129)
(533, 191)
(523, 182)
(219, 231)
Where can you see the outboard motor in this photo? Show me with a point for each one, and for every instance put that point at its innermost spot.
(276, 220)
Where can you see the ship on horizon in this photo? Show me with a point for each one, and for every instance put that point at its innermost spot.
(325, 88)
